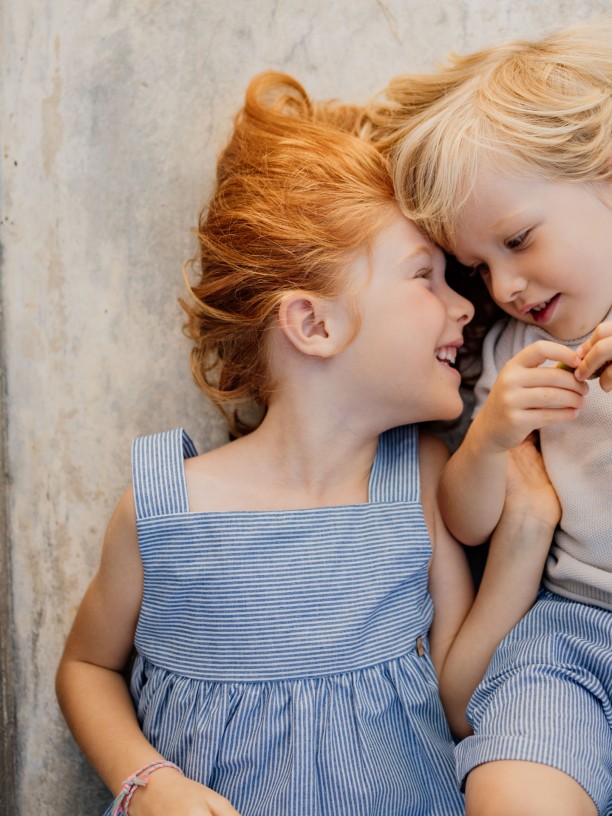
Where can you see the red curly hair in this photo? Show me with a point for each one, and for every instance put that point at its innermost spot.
(298, 194)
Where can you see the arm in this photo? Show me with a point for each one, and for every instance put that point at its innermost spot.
(525, 396)
(509, 586)
(93, 693)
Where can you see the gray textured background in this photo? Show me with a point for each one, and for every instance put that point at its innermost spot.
(111, 115)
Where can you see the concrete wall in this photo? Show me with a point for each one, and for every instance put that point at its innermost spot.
(111, 116)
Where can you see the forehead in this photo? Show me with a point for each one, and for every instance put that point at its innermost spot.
(501, 191)
(503, 204)
(401, 239)
(495, 206)
(398, 244)
(499, 199)
(468, 188)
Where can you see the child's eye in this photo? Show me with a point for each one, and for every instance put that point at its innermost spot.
(425, 274)
(516, 241)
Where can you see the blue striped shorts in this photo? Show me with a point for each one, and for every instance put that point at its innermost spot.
(547, 697)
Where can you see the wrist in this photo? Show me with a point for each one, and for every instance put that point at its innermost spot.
(482, 440)
(527, 523)
(135, 786)
(532, 509)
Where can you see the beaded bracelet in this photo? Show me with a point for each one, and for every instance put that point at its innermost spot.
(135, 781)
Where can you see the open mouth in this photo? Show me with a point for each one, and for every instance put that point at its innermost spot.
(543, 311)
(447, 355)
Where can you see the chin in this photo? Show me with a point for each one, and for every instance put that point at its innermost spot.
(453, 409)
(448, 411)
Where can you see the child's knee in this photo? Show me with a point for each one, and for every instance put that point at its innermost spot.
(513, 788)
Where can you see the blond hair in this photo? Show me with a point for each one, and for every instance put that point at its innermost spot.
(544, 106)
(298, 194)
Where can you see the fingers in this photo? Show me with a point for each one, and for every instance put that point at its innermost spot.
(527, 369)
(543, 397)
(528, 488)
(530, 392)
(546, 377)
(605, 378)
(596, 354)
(536, 354)
(542, 387)
(554, 416)
(527, 453)
(527, 462)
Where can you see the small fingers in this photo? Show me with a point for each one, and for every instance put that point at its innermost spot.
(595, 354)
(601, 332)
(597, 361)
(558, 377)
(590, 371)
(537, 353)
(555, 416)
(546, 397)
(605, 379)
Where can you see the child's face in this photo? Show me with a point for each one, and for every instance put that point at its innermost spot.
(543, 248)
(411, 326)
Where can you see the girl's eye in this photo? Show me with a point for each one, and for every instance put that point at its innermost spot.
(517, 241)
(425, 274)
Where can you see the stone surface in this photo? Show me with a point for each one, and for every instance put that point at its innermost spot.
(111, 115)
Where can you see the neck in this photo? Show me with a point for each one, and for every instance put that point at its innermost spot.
(325, 456)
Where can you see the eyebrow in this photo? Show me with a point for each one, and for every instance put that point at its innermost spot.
(500, 226)
(501, 222)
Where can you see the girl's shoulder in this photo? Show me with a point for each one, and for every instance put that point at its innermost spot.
(230, 477)
(433, 456)
(214, 478)
(169, 476)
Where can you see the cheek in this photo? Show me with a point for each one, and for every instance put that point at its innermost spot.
(434, 304)
(428, 327)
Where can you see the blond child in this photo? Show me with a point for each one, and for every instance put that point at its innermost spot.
(504, 158)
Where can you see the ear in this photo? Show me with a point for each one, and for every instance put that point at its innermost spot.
(315, 326)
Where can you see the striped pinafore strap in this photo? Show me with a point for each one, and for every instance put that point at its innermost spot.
(158, 473)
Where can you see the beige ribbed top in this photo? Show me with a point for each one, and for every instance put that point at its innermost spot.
(578, 458)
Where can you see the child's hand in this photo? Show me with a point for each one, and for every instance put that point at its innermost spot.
(528, 488)
(527, 395)
(596, 354)
(167, 792)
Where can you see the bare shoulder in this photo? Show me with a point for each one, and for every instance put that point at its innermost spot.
(103, 630)
(120, 559)
(123, 519)
(220, 478)
(433, 456)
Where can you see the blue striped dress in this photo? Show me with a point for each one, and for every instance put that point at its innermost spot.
(283, 655)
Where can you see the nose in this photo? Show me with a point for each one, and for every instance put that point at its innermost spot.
(459, 308)
(505, 285)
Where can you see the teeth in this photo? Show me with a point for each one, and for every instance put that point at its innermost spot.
(447, 354)
(540, 306)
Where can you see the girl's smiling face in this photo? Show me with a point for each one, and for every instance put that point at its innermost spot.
(543, 248)
(410, 328)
